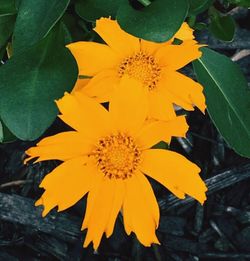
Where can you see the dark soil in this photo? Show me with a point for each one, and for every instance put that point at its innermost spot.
(219, 230)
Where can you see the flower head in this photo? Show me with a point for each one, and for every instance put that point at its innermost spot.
(155, 65)
(107, 157)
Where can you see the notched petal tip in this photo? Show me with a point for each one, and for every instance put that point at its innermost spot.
(156, 241)
(26, 160)
(60, 99)
(203, 198)
(150, 243)
(86, 244)
(46, 210)
(101, 21)
(39, 202)
(88, 240)
(30, 157)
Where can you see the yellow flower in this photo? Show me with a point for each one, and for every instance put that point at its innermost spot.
(155, 65)
(108, 156)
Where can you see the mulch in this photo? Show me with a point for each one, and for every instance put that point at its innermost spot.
(219, 230)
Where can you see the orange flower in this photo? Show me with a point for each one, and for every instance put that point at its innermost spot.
(108, 156)
(155, 65)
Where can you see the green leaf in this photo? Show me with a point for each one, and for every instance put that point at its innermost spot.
(7, 20)
(31, 81)
(244, 3)
(223, 27)
(73, 32)
(157, 22)
(7, 23)
(2, 53)
(35, 20)
(200, 26)
(198, 6)
(7, 7)
(1, 132)
(92, 10)
(5, 134)
(227, 97)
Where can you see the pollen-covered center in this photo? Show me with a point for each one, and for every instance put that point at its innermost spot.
(142, 67)
(117, 156)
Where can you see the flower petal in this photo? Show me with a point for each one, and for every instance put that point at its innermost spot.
(84, 115)
(140, 209)
(177, 56)
(67, 184)
(62, 146)
(186, 90)
(102, 85)
(117, 205)
(128, 105)
(80, 85)
(93, 57)
(185, 33)
(154, 132)
(101, 216)
(160, 106)
(121, 42)
(151, 47)
(175, 172)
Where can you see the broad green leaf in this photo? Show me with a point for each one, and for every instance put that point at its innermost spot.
(35, 20)
(223, 27)
(92, 10)
(5, 134)
(244, 3)
(73, 32)
(227, 97)
(198, 6)
(31, 81)
(7, 20)
(1, 132)
(2, 53)
(157, 22)
(7, 23)
(7, 7)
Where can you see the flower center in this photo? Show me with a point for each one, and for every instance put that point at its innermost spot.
(117, 156)
(142, 67)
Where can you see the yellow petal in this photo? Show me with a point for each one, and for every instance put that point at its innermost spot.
(140, 209)
(160, 106)
(103, 214)
(174, 172)
(187, 91)
(156, 131)
(185, 32)
(129, 105)
(117, 205)
(177, 56)
(62, 146)
(80, 85)
(101, 86)
(93, 57)
(121, 42)
(84, 115)
(91, 201)
(151, 47)
(165, 86)
(67, 184)
(177, 127)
